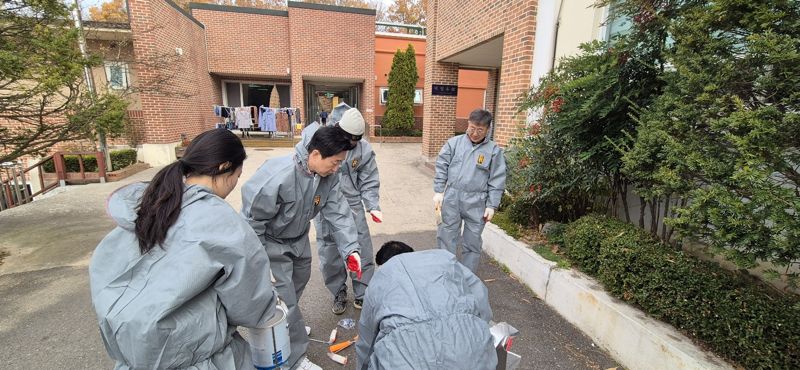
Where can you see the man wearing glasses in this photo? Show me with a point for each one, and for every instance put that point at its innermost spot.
(470, 179)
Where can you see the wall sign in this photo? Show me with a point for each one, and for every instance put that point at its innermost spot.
(444, 90)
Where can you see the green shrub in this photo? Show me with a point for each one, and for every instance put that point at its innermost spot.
(402, 81)
(502, 221)
(582, 242)
(122, 158)
(555, 233)
(119, 159)
(734, 317)
(398, 132)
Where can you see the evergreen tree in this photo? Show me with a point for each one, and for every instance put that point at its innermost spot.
(725, 134)
(402, 83)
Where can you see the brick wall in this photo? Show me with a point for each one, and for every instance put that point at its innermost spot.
(458, 25)
(137, 126)
(177, 89)
(332, 45)
(462, 24)
(439, 110)
(516, 69)
(245, 41)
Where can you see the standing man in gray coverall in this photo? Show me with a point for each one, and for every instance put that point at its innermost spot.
(469, 182)
(360, 185)
(279, 202)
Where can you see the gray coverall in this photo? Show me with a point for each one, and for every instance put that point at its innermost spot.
(279, 202)
(178, 306)
(472, 178)
(359, 182)
(425, 310)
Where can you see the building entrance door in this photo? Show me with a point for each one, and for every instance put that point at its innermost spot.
(321, 97)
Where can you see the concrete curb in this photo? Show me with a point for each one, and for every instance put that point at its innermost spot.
(629, 335)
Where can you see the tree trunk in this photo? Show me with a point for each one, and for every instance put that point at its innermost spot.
(653, 218)
(641, 212)
(624, 195)
(613, 188)
(678, 203)
(664, 217)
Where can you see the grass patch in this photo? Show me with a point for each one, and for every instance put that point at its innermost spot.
(547, 252)
(3, 255)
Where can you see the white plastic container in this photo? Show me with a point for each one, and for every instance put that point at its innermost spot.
(270, 345)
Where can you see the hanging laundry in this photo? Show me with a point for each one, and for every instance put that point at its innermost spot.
(266, 120)
(289, 112)
(222, 111)
(243, 118)
(297, 115)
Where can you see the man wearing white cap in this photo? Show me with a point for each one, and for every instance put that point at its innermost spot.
(359, 184)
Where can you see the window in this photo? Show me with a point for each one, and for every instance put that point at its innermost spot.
(616, 25)
(117, 75)
(385, 96)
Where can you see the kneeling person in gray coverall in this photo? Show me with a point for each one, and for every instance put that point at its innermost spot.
(279, 202)
(360, 185)
(424, 310)
(469, 182)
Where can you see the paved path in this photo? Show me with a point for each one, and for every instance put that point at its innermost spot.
(46, 319)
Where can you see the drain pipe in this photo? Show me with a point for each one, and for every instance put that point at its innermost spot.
(544, 48)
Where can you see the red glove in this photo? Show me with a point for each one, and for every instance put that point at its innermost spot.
(354, 264)
(377, 216)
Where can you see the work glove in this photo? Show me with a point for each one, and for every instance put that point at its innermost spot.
(377, 216)
(437, 200)
(488, 214)
(354, 264)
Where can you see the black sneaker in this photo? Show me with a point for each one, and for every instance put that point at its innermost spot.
(340, 302)
(357, 303)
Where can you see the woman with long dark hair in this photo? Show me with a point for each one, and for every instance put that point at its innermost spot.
(182, 269)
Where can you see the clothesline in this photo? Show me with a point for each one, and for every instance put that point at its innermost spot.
(263, 117)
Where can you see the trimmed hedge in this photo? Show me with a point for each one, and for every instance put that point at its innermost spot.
(398, 132)
(119, 160)
(734, 317)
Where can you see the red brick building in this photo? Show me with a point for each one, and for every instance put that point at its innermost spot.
(307, 57)
(496, 36)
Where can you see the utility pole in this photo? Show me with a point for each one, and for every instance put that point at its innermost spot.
(87, 75)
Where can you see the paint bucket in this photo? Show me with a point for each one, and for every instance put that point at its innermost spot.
(270, 345)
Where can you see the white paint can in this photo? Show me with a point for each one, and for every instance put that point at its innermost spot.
(270, 345)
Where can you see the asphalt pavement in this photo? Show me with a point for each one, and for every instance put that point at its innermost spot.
(47, 321)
